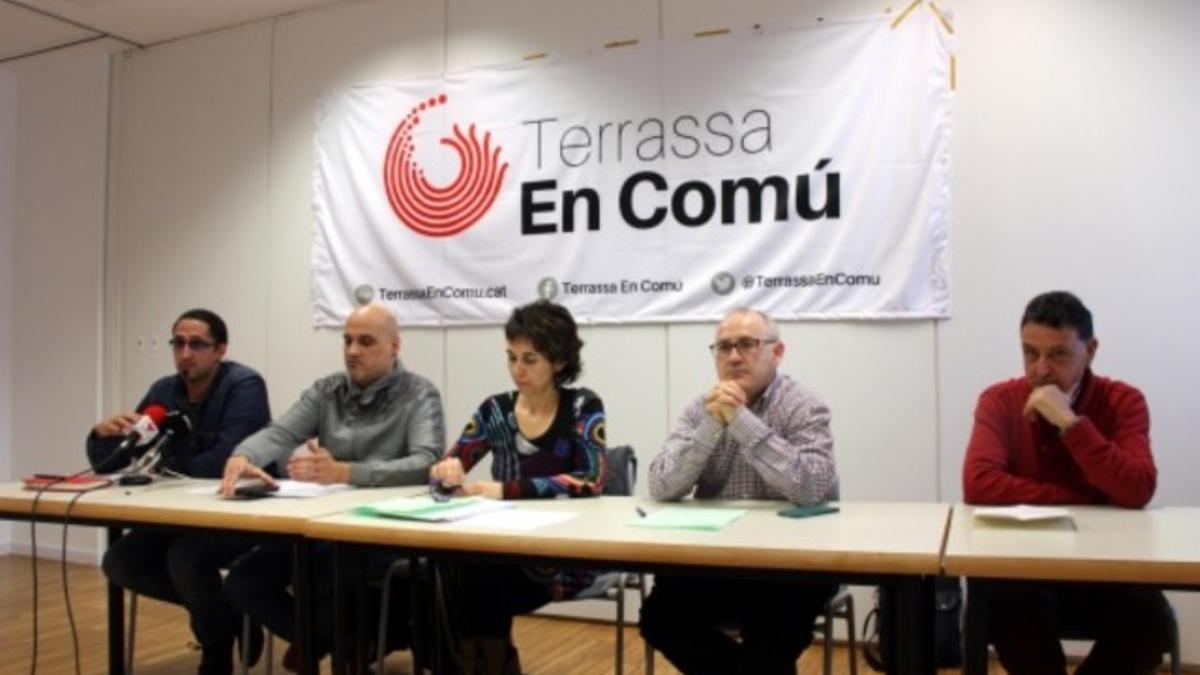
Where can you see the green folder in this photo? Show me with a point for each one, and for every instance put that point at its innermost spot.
(685, 518)
(427, 509)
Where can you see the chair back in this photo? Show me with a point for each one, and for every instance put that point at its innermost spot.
(621, 474)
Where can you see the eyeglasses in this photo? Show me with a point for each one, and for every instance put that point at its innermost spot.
(194, 344)
(746, 346)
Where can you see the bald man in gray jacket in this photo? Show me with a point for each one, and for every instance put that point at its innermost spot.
(374, 425)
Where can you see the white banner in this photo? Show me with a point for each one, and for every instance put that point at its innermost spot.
(804, 172)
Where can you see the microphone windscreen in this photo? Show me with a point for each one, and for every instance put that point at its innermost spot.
(155, 412)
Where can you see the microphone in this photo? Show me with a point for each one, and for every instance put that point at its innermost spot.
(144, 430)
(174, 424)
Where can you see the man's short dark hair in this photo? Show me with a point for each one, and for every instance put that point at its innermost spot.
(216, 325)
(1059, 309)
(551, 330)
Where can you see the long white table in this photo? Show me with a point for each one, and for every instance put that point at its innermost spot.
(895, 544)
(192, 504)
(1158, 547)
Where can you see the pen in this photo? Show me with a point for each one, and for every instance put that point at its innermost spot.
(640, 512)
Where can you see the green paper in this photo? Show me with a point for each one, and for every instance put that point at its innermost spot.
(417, 508)
(684, 518)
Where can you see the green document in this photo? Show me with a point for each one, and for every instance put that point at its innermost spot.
(682, 518)
(427, 509)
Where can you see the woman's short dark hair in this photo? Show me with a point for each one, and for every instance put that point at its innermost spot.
(216, 325)
(1059, 309)
(551, 330)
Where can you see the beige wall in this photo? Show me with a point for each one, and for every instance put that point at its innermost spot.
(58, 209)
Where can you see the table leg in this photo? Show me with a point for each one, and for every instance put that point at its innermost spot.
(975, 655)
(116, 617)
(910, 610)
(349, 609)
(359, 583)
(303, 587)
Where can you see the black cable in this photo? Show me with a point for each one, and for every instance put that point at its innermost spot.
(41, 490)
(33, 567)
(66, 588)
(33, 556)
(66, 591)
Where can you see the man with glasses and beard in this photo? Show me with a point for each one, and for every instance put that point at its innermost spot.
(225, 402)
(756, 434)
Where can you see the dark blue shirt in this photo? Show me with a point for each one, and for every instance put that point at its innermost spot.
(234, 407)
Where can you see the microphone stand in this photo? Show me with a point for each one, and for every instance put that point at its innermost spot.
(141, 471)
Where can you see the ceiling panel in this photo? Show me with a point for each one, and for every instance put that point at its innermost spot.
(23, 31)
(140, 22)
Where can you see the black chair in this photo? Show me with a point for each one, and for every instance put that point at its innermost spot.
(243, 658)
(975, 640)
(619, 479)
(392, 638)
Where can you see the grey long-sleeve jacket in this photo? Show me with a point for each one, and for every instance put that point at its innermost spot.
(391, 432)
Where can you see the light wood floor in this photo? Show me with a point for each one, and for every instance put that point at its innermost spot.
(164, 642)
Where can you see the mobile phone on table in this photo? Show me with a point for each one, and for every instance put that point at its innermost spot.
(256, 490)
(808, 511)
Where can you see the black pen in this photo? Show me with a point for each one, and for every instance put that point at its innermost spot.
(640, 512)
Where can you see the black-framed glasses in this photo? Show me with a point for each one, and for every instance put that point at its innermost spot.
(746, 346)
(194, 344)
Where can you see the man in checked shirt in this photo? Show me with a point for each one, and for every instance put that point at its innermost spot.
(756, 434)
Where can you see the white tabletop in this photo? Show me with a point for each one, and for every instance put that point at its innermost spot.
(863, 537)
(190, 503)
(1098, 543)
(873, 538)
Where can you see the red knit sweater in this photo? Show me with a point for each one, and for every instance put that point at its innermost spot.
(1103, 459)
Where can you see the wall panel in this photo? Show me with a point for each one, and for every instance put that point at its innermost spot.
(315, 53)
(57, 248)
(8, 142)
(191, 207)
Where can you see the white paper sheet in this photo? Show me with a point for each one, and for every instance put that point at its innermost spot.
(301, 490)
(1023, 513)
(522, 520)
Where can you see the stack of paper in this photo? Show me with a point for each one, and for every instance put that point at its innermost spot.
(302, 489)
(1022, 513)
(425, 508)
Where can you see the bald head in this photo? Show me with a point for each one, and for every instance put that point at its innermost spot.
(377, 315)
(371, 342)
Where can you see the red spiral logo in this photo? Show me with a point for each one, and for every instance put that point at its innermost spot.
(446, 210)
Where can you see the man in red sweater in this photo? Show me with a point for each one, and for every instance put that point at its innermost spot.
(1063, 435)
